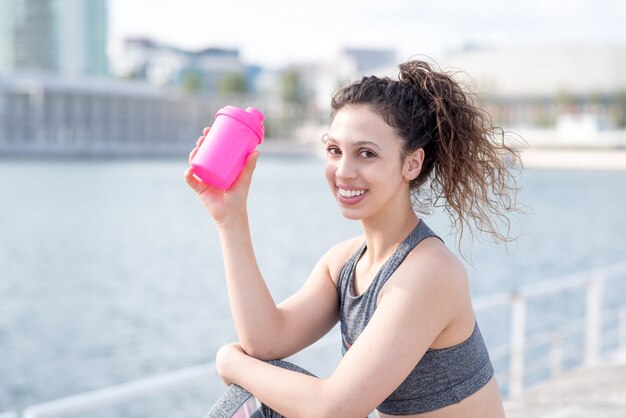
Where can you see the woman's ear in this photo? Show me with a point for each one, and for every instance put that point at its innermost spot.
(413, 165)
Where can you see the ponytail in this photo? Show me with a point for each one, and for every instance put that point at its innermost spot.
(466, 161)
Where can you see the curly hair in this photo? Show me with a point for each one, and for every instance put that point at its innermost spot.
(467, 163)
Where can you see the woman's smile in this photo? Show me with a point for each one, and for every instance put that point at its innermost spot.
(350, 196)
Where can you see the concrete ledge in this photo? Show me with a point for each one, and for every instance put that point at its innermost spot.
(598, 392)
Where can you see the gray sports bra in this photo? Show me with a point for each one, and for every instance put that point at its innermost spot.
(443, 376)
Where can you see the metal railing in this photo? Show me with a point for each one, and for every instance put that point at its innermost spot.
(591, 325)
(119, 393)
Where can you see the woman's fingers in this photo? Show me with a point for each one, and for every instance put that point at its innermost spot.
(192, 180)
(199, 142)
(195, 150)
(248, 169)
(193, 153)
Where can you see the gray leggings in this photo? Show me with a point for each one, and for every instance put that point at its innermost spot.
(237, 402)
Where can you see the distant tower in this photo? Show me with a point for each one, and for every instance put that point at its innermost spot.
(66, 37)
(28, 38)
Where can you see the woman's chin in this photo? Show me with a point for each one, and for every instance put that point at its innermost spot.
(351, 214)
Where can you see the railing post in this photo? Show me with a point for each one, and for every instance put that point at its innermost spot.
(556, 355)
(622, 328)
(518, 337)
(593, 320)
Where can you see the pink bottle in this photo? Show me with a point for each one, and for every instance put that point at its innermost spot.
(233, 136)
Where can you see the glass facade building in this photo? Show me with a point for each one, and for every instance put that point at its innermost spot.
(67, 37)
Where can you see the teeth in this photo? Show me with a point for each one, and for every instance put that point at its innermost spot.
(351, 193)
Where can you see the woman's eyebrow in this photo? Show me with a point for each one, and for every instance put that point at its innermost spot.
(326, 138)
(370, 143)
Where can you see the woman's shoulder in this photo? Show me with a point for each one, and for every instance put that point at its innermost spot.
(437, 266)
(436, 282)
(338, 254)
(433, 253)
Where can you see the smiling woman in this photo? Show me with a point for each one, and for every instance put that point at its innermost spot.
(363, 155)
(411, 342)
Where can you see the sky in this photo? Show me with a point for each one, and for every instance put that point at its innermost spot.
(275, 33)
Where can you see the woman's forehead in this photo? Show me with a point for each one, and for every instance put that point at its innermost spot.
(357, 124)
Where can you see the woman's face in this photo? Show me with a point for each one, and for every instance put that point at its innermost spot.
(364, 167)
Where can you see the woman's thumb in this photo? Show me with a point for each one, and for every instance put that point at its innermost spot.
(248, 169)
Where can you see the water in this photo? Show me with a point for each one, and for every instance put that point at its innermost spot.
(110, 270)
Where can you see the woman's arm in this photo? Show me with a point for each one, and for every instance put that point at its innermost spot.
(265, 330)
(413, 310)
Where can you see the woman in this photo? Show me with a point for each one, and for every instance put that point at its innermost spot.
(412, 346)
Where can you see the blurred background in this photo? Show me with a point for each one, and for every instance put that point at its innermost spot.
(110, 270)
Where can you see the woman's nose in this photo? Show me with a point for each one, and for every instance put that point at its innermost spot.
(346, 169)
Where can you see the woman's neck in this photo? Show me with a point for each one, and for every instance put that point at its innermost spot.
(383, 235)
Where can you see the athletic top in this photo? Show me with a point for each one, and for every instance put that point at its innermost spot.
(442, 376)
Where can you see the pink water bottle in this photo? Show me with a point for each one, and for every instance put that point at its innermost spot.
(233, 136)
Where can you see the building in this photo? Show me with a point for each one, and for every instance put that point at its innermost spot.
(363, 61)
(48, 115)
(45, 115)
(66, 37)
(546, 70)
(164, 65)
(535, 86)
(348, 64)
(565, 88)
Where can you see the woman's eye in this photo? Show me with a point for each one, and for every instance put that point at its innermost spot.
(333, 150)
(367, 154)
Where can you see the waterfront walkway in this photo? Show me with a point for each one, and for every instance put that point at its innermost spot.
(597, 392)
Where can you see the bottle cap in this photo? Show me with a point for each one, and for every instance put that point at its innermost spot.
(251, 117)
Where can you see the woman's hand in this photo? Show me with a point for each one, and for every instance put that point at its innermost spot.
(225, 358)
(223, 204)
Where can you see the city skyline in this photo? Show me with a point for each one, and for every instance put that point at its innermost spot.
(277, 33)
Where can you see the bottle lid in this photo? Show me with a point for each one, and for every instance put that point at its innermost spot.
(251, 117)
